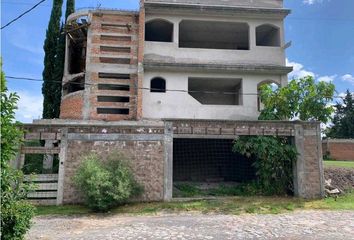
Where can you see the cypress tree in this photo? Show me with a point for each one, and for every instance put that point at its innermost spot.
(50, 49)
(58, 74)
(70, 8)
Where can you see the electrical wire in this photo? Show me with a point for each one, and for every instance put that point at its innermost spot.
(22, 14)
(149, 89)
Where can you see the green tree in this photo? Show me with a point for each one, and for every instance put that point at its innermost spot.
(50, 88)
(70, 8)
(302, 99)
(15, 213)
(56, 85)
(343, 121)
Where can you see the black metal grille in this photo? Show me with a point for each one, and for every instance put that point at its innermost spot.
(202, 160)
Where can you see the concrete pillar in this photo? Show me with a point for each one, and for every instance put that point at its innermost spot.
(48, 158)
(176, 33)
(62, 159)
(168, 163)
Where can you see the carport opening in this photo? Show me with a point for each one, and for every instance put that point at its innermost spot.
(208, 162)
(267, 35)
(213, 35)
(159, 30)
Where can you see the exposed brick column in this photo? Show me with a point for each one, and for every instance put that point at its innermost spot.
(141, 39)
(308, 169)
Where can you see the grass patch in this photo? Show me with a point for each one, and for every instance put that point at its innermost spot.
(232, 205)
(62, 210)
(342, 164)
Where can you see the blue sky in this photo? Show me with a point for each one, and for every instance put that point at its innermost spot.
(321, 31)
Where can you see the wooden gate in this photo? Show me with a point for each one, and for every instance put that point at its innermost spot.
(45, 185)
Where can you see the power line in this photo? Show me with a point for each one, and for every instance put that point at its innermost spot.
(149, 89)
(21, 15)
(24, 3)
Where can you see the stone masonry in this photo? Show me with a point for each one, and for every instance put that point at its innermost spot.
(149, 147)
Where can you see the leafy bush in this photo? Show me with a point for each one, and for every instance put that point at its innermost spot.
(16, 219)
(106, 183)
(274, 161)
(15, 213)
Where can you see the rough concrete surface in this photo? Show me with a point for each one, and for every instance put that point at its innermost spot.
(298, 225)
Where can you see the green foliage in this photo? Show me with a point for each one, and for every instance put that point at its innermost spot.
(51, 89)
(106, 184)
(274, 160)
(70, 8)
(54, 59)
(302, 99)
(15, 213)
(16, 219)
(343, 121)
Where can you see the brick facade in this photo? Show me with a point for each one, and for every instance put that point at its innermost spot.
(111, 61)
(339, 149)
(72, 105)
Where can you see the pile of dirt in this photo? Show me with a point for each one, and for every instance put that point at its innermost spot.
(342, 178)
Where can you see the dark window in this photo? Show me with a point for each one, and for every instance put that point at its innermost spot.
(158, 85)
(113, 111)
(159, 31)
(267, 35)
(213, 35)
(112, 99)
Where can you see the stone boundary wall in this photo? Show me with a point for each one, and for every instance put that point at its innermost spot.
(149, 146)
(339, 149)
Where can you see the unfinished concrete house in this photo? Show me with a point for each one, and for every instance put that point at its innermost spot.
(171, 86)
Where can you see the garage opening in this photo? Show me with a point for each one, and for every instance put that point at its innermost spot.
(208, 163)
(213, 35)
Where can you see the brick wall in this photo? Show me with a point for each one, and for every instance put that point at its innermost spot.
(339, 149)
(146, 161)
(143, 146)
(72, 105)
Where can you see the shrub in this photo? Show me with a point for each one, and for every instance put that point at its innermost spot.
(16, 219)
(15, 213)
(274, 159)
(106, 183)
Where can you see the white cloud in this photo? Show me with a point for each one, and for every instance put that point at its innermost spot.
(348, 78)
(299, 71)
(29, 106)
(327, 78)
(311, 2)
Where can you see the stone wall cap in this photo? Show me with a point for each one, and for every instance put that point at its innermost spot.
(297, 122)
(337, 140)
(90, 123)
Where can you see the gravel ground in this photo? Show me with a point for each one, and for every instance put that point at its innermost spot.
(297, 225)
